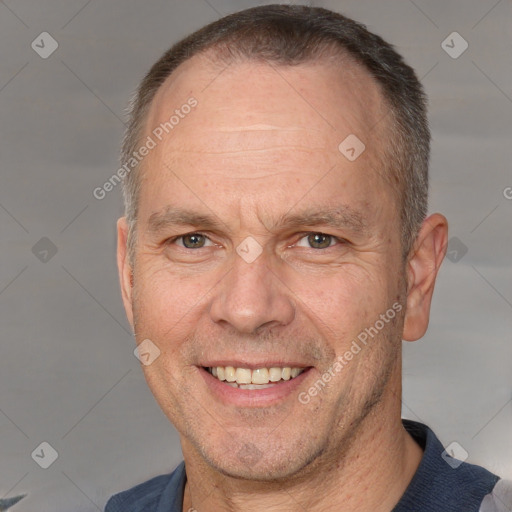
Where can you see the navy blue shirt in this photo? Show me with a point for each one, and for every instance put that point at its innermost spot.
(440, 484)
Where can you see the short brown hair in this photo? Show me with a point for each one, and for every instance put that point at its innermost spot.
(291, 35)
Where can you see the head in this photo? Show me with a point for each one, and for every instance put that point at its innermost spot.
(252, 240)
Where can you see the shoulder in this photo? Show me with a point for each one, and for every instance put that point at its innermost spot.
(500, 499)
(442, 482)
(147, 496)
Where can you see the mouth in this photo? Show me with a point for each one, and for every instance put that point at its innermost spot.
(257, 378)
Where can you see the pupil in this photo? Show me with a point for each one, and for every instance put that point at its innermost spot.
(319, 241)
(193, 241)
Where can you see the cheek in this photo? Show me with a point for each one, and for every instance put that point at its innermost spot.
(166, 305)
(342, 303)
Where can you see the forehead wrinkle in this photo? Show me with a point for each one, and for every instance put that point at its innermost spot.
(221, 139)
(264, 127)
(301, 149)
(265, 163)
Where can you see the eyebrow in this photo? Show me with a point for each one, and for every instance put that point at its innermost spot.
(170, 216)
(338, 217)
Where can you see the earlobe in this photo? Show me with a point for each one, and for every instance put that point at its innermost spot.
(125, 268)
(422, 267)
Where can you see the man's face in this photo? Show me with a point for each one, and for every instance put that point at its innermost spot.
(255, 166)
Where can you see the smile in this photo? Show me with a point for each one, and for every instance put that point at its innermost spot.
(259, 378)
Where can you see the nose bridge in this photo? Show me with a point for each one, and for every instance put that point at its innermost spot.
(251, 296)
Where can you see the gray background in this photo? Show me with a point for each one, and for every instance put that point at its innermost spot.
(68, 375)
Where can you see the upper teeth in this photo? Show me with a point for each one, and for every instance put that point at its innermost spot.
(257, 376)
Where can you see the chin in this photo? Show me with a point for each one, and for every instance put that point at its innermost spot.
(268, 464)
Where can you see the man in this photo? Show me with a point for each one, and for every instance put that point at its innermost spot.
(274, 254)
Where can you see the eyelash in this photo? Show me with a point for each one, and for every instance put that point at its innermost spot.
(303, 235)
(173, 239)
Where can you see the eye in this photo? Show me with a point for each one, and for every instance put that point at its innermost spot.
(317, 241)
(192, 241)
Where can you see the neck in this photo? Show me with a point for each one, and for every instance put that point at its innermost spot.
(369, 475)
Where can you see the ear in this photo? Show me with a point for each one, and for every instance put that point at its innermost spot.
(124, 268)
(423, 264)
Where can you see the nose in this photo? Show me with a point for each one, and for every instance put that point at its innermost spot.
(252, 296)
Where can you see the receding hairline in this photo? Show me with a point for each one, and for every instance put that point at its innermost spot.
(379, 124)
(220, 58)
(370, 118)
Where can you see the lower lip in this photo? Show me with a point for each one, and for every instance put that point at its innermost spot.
(252, 397)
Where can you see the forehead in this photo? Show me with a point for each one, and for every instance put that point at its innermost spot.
(258, 125)
(331, 94)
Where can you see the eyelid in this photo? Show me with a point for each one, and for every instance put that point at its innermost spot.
(174, 239)
(333, 237)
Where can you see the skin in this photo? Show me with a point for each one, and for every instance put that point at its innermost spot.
(247, 156)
